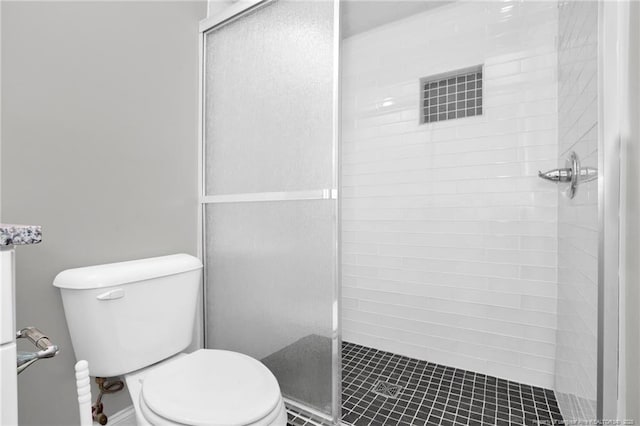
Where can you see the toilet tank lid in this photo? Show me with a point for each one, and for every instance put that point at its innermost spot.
(120, 273)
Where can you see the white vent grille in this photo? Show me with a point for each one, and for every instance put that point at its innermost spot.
(455, 94)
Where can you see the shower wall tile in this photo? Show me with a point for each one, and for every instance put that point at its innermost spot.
(450, 239)
(576, 356)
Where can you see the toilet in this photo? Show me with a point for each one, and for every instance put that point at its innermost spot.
(135, 319)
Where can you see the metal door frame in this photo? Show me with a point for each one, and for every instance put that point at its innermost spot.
(228, 15)
(612, 88)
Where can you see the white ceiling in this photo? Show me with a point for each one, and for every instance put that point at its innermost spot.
(362, 15)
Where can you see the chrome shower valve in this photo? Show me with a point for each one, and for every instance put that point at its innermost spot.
(573, 174)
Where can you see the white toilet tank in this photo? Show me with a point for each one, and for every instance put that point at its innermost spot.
(128, 315)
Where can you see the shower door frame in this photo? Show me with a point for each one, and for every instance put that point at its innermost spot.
(613, 87)
(231, 13)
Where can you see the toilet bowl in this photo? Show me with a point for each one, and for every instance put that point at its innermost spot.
(207, 387)
(135, 318)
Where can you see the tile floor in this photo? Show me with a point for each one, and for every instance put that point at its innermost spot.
(432, 394)
(382, 388)
(296, 419)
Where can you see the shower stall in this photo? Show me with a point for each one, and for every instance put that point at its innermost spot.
(409, 208)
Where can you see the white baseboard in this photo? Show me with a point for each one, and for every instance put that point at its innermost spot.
(124, 417)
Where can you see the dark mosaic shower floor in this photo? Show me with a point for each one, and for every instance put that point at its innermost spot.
(432, 394)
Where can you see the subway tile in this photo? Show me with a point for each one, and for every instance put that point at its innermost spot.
(453, 236)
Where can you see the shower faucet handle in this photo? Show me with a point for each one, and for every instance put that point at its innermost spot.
(557, 175)
(573, 174)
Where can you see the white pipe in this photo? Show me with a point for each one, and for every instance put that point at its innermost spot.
(84, 392)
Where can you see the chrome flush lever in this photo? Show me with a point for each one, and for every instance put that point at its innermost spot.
(572, 174)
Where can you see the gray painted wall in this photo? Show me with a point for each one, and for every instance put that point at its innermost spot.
(99, 146)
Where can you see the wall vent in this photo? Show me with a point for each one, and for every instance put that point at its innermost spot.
(454, 94)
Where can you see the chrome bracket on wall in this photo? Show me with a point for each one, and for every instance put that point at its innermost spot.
(40, 341)
(573, 174)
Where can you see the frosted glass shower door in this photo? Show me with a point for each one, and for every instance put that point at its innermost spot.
(270, 208)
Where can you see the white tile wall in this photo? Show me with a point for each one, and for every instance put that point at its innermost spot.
(450, 239)
(578, 218)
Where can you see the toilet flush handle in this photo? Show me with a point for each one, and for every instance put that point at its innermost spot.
(118, 293)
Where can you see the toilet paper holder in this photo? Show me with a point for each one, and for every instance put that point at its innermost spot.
(40, 341)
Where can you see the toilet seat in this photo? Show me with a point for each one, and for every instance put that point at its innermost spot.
(278, 417)
(211, 387)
